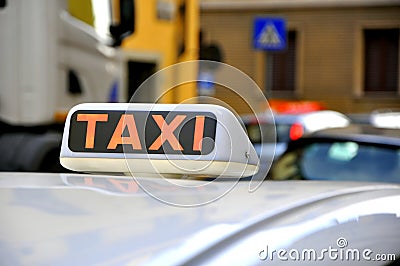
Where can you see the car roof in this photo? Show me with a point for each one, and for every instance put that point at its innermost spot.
(360, 133)
(49, 218)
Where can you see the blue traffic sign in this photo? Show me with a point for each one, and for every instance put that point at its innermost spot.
(269, 33)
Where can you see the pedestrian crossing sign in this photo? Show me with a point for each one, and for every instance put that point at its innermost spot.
(269, 33)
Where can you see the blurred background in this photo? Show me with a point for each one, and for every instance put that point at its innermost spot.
(304, 55)
(342, 53)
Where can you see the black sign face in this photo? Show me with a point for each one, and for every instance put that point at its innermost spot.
(152, 132)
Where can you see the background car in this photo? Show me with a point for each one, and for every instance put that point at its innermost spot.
(388, 118)
(357, 152)
(288, 127)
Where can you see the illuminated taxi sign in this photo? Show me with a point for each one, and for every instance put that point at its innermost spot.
(151, 132)
(185, 139)
(386, 119)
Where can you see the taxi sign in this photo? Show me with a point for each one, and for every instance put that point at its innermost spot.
(185, 139)
(107, 128)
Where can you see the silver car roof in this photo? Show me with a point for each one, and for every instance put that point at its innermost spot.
(67, 219)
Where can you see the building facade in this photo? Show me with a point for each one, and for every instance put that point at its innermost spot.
(344, 53)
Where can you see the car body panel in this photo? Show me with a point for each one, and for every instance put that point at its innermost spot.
(361, 133)
(68, 219)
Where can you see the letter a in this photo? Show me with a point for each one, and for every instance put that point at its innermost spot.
(128, 121)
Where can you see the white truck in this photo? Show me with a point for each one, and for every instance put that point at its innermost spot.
(55, 54)
(49, 61)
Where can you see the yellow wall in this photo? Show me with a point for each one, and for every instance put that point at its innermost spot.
(161, 37)
(81, 9)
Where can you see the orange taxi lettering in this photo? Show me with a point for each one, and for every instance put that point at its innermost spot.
(198, 133)
(128, 121)
(88, 181)
(167, 132)
(91, 120)
(125, 186)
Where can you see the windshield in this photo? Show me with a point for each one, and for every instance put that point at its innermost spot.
(349, 161)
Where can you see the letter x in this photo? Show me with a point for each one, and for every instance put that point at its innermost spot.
(167, 132)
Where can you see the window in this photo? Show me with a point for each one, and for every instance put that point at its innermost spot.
(381, 57)
(281, 68)
(138, 72)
